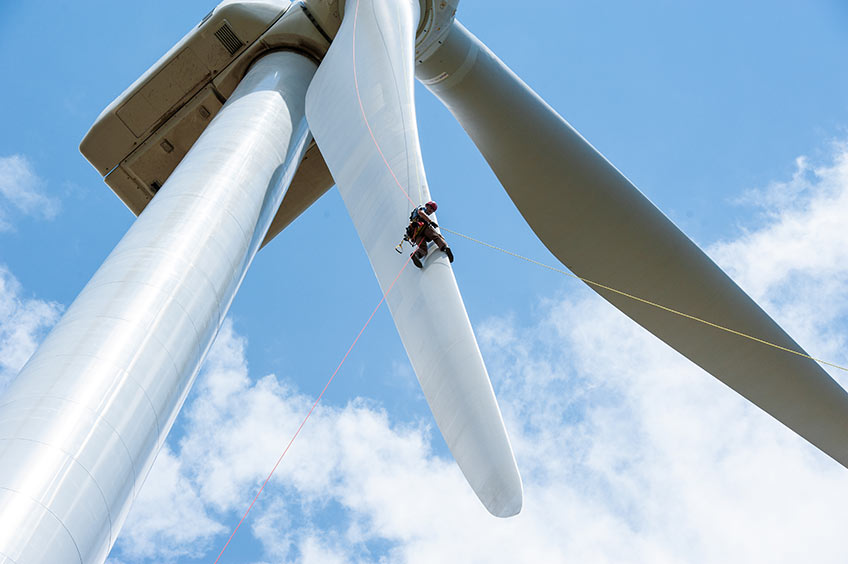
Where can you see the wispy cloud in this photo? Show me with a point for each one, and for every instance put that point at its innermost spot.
(23, 322)
(629, 453)
(23, 190)
(797, 264)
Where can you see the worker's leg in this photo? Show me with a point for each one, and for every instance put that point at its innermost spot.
(433, 235)
(440, 242)
(419, 253)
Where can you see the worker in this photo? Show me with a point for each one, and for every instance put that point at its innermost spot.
(422, 230)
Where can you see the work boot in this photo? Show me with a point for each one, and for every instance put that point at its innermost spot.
(416, 261)
(449, 253)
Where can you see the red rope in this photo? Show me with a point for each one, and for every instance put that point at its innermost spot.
(274, 469)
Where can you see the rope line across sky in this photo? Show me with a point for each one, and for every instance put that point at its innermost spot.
(647, 302)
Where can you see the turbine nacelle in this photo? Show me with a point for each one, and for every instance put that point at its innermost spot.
(141, 137)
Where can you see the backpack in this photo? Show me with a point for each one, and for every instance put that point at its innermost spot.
(416, 225)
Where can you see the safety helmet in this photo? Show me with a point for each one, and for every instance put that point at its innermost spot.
(432, 205)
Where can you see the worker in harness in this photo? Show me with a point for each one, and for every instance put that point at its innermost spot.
(422, 230)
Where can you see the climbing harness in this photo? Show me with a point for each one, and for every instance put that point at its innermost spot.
(413, 230)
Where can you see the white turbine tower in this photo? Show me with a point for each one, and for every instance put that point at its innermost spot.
(211, 148)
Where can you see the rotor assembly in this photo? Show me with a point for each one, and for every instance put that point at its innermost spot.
(218, 144)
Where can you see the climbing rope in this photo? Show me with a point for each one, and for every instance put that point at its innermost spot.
(647, 302)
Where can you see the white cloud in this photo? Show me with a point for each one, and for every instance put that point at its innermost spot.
(168, 520)
(23, 323)
(629, 453)
(21, 188)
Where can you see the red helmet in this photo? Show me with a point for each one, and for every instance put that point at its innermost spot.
(432, 205)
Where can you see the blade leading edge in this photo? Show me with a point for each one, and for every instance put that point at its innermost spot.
(361, 112)
(600, 226)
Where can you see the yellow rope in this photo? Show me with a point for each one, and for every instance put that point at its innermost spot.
(647, 302)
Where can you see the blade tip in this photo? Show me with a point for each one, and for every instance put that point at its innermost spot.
(507, 510)
(508, 505)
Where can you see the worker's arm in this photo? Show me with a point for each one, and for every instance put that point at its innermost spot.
(426, 218)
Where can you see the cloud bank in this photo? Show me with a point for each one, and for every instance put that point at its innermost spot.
(628, 452)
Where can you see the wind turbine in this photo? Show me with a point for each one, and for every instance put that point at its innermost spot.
(219, 132)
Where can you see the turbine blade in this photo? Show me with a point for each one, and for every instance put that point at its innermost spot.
(602, 228)
(361, 111)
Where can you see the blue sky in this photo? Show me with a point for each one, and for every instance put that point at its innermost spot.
(731, 117)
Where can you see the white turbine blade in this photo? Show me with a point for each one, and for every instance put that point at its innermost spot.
(360, 109)
(602, 228)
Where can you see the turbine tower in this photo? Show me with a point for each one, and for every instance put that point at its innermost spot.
(213, 149)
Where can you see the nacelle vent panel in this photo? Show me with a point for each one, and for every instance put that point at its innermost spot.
(228, 38)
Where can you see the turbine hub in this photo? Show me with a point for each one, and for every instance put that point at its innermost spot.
(435, 19)
(434, 24)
